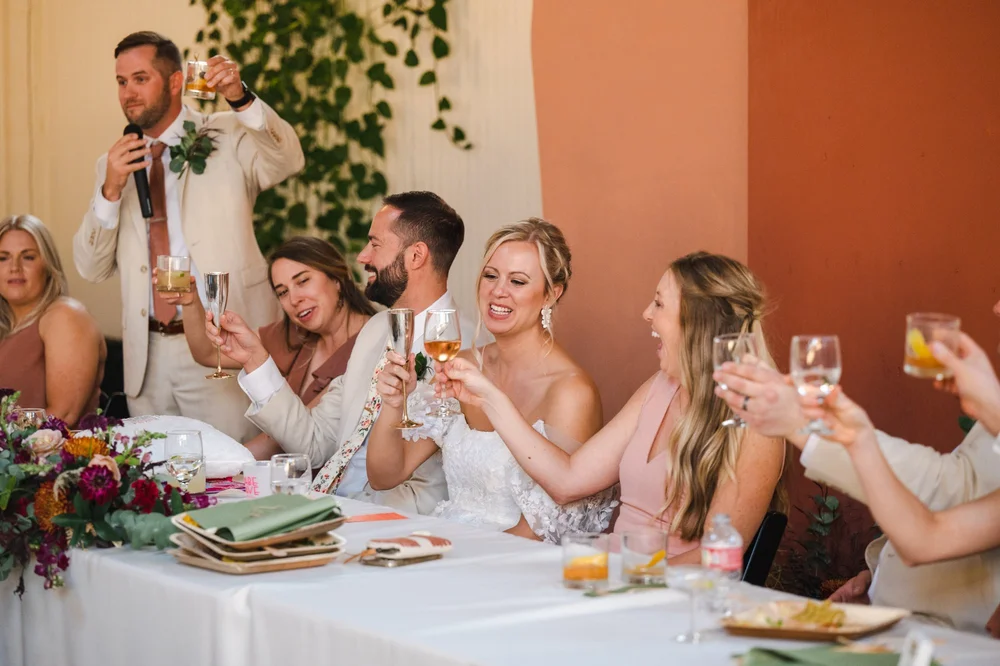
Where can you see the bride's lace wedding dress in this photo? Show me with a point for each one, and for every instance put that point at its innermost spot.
(486, 486)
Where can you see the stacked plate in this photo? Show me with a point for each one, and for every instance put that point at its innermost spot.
(309, 546)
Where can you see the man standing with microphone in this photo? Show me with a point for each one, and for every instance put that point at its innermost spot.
(206, 215)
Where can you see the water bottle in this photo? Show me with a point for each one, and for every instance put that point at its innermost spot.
(722, 557)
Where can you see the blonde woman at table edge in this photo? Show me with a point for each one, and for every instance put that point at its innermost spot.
(526, 270)
(668, 441)
(51, 348)
(922, 536)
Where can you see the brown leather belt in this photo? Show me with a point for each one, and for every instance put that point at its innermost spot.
(176, 327)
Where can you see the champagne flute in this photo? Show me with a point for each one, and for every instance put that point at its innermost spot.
(185, 455)
(732, 347)
(217, 293)
(442, 342)
(815, 366)
(400, 341)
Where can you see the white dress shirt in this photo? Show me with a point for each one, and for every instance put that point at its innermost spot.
(261, 385)
(107, 211)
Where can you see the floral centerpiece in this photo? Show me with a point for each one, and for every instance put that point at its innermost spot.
(60, 490)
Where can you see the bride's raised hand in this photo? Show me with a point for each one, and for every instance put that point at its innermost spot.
(462, 379)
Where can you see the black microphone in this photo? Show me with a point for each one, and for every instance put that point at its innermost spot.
(141, 179)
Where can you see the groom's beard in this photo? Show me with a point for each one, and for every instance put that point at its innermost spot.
(149, 116)
(389, 283)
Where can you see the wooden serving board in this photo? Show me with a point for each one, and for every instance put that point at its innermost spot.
(256, 544)
(244, 568)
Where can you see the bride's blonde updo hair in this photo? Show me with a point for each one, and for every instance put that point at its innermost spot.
(553, 255)
(718, 295)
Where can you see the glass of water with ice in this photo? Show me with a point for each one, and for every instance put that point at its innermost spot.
(291, 474)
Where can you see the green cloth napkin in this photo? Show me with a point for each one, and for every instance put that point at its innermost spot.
(265, 516)
(824, 655)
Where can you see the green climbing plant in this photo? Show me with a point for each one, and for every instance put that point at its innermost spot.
(322, 65)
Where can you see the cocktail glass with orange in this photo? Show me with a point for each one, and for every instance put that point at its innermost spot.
(923, 328)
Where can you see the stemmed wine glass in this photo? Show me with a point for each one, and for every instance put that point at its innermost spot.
(442, 342)
(815, 366)
(694, 580)
(217, 294)
(732, 347)
(185, 455)
(400, 341)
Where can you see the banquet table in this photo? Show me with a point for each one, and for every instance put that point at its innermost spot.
(494, 600)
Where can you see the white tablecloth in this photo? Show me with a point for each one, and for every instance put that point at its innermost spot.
(494, 599)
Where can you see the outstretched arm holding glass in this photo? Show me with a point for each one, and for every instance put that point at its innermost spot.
(918, 534)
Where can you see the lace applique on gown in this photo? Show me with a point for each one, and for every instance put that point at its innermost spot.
(487, 488)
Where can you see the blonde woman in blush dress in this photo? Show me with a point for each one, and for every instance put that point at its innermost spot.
(677, 463)
(51, 349)
(525, 272)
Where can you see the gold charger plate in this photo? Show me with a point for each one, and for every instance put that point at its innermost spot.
(324, 543)
(204, 561)
(255, 544)
(860, 621)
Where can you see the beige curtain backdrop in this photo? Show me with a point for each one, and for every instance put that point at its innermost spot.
(59, 111)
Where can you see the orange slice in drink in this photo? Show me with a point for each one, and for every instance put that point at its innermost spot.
(918, 345)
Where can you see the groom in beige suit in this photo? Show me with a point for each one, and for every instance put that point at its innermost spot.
(207, 216)
(411, 245)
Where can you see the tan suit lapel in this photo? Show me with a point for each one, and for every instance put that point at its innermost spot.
(357, 383)
(187, 191)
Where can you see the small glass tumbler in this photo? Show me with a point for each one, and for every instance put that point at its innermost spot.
(173, 274)
(644, 557)
(922, 329)
(195, 84)
(585, 561)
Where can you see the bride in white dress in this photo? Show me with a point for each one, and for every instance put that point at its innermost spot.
(525, 272)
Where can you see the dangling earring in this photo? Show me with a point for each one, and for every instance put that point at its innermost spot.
(547, 318)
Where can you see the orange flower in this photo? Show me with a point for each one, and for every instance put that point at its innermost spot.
(86, 447)
(49, 505)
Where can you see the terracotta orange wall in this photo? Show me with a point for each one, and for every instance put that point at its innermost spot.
(642, 132)
(874, 183)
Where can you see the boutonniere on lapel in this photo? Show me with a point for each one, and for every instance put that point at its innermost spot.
(193, 150)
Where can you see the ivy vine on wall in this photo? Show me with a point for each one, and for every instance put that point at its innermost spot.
(322, 65)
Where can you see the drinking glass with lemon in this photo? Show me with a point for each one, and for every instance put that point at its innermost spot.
(585, 561)
(923, 328)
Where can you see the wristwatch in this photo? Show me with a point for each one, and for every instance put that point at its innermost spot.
(242, 101)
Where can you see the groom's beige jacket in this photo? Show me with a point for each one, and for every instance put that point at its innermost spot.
(965, 591)
(320, 431)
